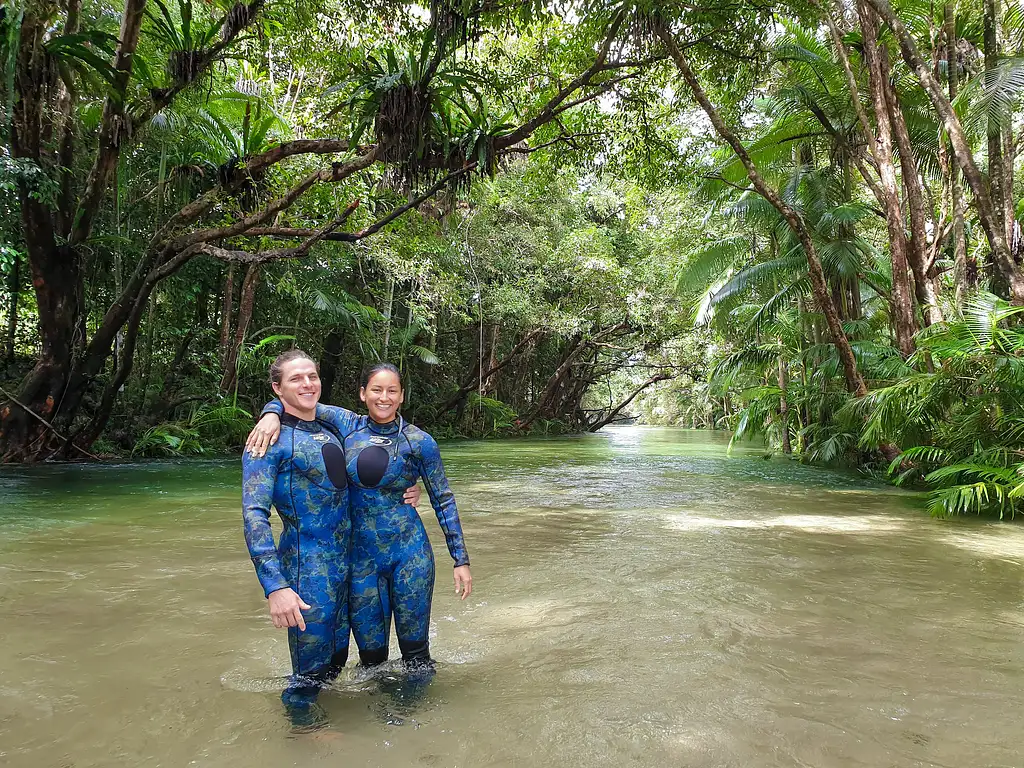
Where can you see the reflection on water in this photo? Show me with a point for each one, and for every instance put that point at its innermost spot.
(816, 523)
(639, 600)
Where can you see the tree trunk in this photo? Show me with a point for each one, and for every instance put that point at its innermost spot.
(965, 272)
(490, 381)
(850, 285)
(14, 291)
(387, 318)
(147, 353)
(227, 310)
(961, 147)
(994, 123)
(54, 388)
(329, 364)
(94, 360)
(56, 271)
(66, 123)
(801, 313)
(1013, 233)
(114, 124)
(471, 381)
(553, 393)
(918, 252)
(58, 287)
(856, 307)
(542, 408)
(614, 412)
(902, 300)
(839, 298)
(246, 303)
(854, 380)
(787, 447)
(165, 402)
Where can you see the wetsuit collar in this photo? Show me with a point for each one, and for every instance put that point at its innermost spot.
(289, 420)
(392, 427)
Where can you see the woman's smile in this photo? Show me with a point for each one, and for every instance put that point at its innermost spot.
(383, 396)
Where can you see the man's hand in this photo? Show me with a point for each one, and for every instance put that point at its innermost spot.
(412, 496)
(263, 435)
(463, 581)
(286, 609)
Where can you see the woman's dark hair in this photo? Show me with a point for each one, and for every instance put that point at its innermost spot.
(372, 370)
(286, 357)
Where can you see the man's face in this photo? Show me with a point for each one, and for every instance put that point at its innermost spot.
(299, 388)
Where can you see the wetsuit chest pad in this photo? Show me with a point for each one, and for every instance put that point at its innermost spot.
(372, 465)
(334, 463)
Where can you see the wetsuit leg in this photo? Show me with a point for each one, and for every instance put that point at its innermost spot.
(412, 585)
(300, 697)
(319, 653)
(412, 589)
(370, 609)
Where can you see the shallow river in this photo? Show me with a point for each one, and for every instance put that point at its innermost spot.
(640, 600)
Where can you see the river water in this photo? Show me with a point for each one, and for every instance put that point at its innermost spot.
(640, 600)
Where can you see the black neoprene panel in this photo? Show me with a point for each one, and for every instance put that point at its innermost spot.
(334, 460)
(371, 464)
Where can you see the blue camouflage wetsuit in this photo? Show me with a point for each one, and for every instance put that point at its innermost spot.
(392, 562)
(303, 476)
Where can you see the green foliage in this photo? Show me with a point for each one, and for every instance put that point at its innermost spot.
(210, 427)
(500, 416)
(184, 34)
(87, 53)
(168, 440)
(417, 105)
(960, 411)
(254, 359)
(616, 240)
(20, 170)
(223, 425)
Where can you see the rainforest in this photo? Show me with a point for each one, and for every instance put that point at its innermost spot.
(796, 222)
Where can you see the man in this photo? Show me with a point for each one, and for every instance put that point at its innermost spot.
(306, 575)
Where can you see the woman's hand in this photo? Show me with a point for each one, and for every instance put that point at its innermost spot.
(463, 581)
(263, 435)
(412, 496)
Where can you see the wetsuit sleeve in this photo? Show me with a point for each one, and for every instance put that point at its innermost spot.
(258, 479)
(342, 420)
(442, 499)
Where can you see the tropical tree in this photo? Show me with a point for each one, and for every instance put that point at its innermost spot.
(432, 130)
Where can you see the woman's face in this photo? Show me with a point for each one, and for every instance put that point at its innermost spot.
(299, 388)
(383, 395)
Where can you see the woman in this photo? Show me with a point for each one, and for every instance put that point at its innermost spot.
(305, 577)
(392, 562)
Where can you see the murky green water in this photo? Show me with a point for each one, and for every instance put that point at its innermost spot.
(640, 600)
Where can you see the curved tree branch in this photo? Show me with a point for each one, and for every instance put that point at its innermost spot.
(618, 409)
(549, 111)
(854, 380)
(337, 172)
(117, 128)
